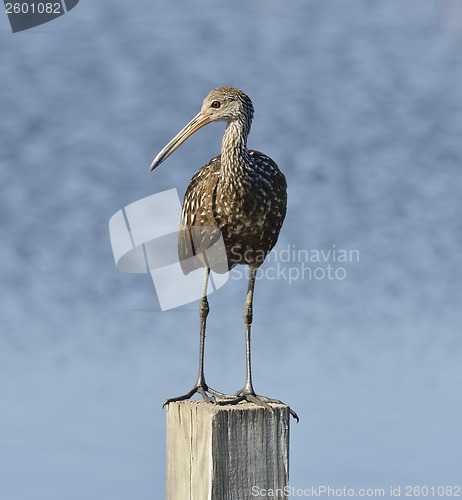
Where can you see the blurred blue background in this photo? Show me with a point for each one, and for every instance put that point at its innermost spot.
(360, 104)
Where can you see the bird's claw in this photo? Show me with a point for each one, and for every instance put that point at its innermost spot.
(222, 399)
(250, 397)
(199, 389)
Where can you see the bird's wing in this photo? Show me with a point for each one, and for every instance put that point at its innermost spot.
(198, 228)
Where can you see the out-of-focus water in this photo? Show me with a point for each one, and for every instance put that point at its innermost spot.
(360, 104)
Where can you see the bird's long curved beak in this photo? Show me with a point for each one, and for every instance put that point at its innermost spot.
(194, 125)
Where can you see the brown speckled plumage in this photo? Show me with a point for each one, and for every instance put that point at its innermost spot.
(240, 192)
(239, 195)
(248, 209)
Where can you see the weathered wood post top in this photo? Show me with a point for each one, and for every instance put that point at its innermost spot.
(231, 452)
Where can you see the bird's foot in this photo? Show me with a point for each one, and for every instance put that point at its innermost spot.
(199, 389)
(251, 397)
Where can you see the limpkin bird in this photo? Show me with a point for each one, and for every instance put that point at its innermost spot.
(239, 195)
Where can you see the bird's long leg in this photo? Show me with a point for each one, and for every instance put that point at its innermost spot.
(203, 313)
(204, 309)
(201, 386)
(247, 393)
(248, 317)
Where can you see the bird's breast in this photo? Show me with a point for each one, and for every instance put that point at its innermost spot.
(246, 203)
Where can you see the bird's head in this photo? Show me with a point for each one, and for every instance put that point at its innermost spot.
(223, 104)
(227, 104)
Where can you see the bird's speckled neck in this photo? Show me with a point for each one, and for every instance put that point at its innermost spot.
(234, 155)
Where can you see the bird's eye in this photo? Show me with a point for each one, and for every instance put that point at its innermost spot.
(216, 104)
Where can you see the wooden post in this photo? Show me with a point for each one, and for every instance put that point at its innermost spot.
(229, 452)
